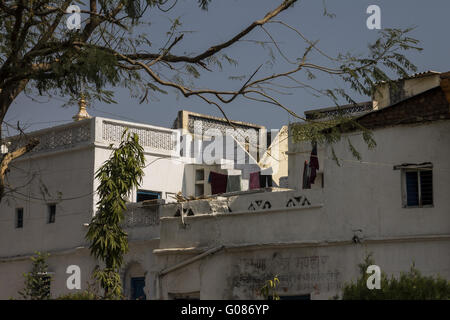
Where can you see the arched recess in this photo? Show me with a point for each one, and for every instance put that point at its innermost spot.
(135, 284)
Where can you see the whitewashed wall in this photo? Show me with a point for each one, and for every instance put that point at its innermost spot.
(311, 247)
(367, 194)
(63, 166)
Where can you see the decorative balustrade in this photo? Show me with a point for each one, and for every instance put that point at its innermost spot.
(100, 131)
(57, 138)
(347, 110)
(149, 137)
(136, 216)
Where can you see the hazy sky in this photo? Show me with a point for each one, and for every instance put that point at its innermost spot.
(346, 32)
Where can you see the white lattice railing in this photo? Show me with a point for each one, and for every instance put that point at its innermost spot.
(149, 136)
(57, 138)
(104, 132)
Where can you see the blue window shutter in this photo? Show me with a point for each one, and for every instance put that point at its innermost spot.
(412, 188)
(426, 187)
(143, 195)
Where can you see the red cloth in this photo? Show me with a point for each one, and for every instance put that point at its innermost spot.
(218, 182)
(254, 181)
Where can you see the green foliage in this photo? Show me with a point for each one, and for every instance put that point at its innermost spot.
(36, 46)
(85, 295)
(330, 131)
(118, 176)
(109, 279)
(363, 75)
(353, 150)
(38, 53)
(37, 282)
(91, 293)
(269, 290)
(77, 67)
(411, 285)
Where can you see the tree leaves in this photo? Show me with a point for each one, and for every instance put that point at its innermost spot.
(354, 152)
(37, 282)
(117, 176)
(269, 289)
(411, 285)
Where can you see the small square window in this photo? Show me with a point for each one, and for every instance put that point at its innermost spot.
(418, 187)
(199, 189)
(199, 175)
(19, 218)
(51, 213)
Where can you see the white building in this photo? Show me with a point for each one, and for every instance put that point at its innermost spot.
(392, 202)
(54, 197)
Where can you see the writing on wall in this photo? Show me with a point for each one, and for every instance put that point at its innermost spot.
(297, 274)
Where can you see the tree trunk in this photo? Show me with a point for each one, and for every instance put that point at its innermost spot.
(7, 96)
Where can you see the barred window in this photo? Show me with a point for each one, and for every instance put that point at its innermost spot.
(418, 190)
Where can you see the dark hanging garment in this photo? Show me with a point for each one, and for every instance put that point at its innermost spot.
(265, 180)
(218, 182)
(254, 182)
(306, 176)
(313, 163)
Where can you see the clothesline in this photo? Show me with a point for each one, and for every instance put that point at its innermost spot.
(221, 183)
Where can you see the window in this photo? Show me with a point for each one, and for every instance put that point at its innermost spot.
(199, 189)
(199, 175)
(51, 213)
(418, 187)
(143, 195)
(19, 218)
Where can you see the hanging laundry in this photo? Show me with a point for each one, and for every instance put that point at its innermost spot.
(265, 180)
(234, 183)
(254, 182)
(218, 182)
(306, 176)
(313, 163)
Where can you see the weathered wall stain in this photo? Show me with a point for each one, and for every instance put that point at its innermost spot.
(297, 274)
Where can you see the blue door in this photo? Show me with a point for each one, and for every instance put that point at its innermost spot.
(137, 288)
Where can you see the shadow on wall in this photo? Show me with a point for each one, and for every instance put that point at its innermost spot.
(134, 285)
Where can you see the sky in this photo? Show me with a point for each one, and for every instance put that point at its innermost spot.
(346, 32)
